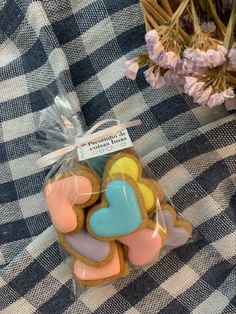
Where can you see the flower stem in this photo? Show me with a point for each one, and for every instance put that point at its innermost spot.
(155, 22)
(178, 12)
(229, 34)
(231, 79)
(148, 26)
(143, 59)
(197, 27)
(156, 9)
(159, 9)
(152, 21)
(230, 28)
(216, 18)
(150, 12)
(167, 7)
(203, 5)
(218, 7)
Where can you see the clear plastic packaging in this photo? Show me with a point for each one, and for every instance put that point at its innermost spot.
(109, 212)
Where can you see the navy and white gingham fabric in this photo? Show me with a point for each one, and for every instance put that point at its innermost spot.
(83, 44)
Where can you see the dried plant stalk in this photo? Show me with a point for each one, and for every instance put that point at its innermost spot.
(167, 7)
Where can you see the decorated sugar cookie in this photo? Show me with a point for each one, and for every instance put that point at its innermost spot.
(128, 164)
(121, 211)
(98, 164)
(67, 195)
(179, 230)
(144, 245)
(89, 276)
(89, 250)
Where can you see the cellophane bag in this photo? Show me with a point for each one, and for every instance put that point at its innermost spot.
(109, 211)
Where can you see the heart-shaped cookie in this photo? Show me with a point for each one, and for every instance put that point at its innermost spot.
(68, 194)
(127, 163)
(98, 163)
(89, 250)
(144, 245)
(179, 230)
(121, 211)
(89, 276)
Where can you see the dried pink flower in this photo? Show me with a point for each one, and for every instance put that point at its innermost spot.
(159, 81)
(208, 27)
(230, 104)
(203, 97)
(177, 75)
(215, 57)
(170, 78)
(195, 88)
(208, 89)
(131, 68)
(196, 56)
(232, 57)
(168, 60)
(189, 82)
(205, 51)
(186, 66)
(165, 46)
(222, 49)
(227, 4)
(210, 58)
(216, 100)
(155, 80)
(173, 78)
(151, 37)
(155, 51)
(229, 93)
(149, 75)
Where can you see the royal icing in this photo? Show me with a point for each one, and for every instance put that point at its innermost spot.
(86, 272)
(128, 166)
(61, 195)
(98, 163)
(122, 216)
(177, 235)
(144, 246)
(83, 243)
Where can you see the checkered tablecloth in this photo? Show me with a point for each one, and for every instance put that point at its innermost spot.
(82, 44)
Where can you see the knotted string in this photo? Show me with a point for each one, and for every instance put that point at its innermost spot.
(89, 136)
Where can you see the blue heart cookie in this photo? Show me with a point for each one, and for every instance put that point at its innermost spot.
(122, 216)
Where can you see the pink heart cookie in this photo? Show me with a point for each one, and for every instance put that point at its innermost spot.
(143, 246)
(91, 276)
(179, 230)
(67, 195)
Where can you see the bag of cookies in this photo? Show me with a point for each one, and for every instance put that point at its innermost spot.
(110, 213)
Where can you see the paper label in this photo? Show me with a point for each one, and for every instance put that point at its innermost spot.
(105, 146)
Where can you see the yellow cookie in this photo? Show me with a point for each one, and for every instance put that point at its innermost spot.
(128, 164)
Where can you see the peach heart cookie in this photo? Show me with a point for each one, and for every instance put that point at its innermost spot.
(88, 275)
(179, 230)
(68, 194)
(121, 211)
(144, 245)
(90, 251)
(127, 163)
